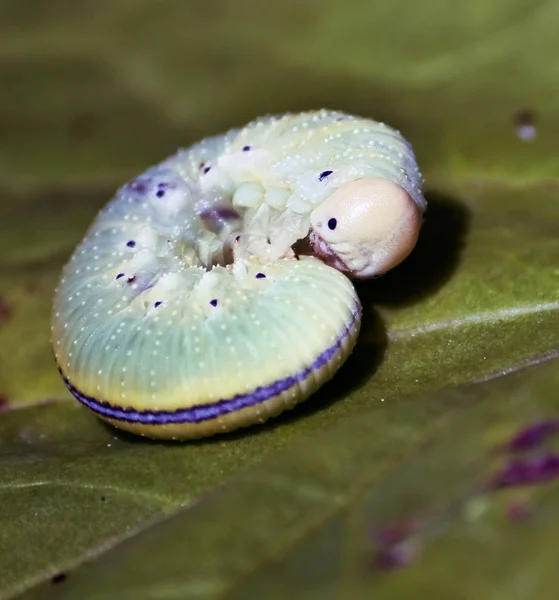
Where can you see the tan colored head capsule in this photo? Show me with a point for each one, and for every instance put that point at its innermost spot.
(366, 227)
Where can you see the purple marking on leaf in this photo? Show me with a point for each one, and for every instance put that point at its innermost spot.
(526, 471)
(533, 435)
(396, 556)
(396, 532)
(518, 510)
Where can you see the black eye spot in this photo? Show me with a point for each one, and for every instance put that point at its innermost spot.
(160, 193)
(59, 578)
(332, 223)
(260, 276)
(324, 174)
(246, 148)
(206, 169)
(131, 244)
(119, 276)
(213, 302)
(158, 303)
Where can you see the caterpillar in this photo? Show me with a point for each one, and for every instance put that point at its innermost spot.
(214, 290)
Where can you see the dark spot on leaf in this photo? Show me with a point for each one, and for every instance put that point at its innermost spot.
(324, 174)
(518, 510)
(82, 126)
(524, 122)
(33, 287)
(5, 310)
(525, 116)
(59, 578)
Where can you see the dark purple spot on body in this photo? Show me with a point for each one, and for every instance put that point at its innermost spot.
(119, 276)
(222, 213)
(158, 303)
(260, 276)
(324, 174)
(332, 223)
(246, 148)
(206, 170)
(216, 218)
(138, 186)
(131, 243)
(532, 436)
(213, 302)
(160, 193)
(59, 578)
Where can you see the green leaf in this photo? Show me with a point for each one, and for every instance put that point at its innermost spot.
(302, 524)
(92, 96)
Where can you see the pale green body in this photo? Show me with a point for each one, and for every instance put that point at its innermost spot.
(183, 317)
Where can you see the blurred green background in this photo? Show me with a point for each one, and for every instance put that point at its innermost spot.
(92, 93)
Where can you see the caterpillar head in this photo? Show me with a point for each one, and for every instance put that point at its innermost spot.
(365, 227)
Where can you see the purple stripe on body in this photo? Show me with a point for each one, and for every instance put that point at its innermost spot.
(196, 414)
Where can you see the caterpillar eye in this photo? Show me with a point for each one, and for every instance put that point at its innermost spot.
(332, 223)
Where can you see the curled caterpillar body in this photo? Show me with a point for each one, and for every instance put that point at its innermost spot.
(185, 311)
